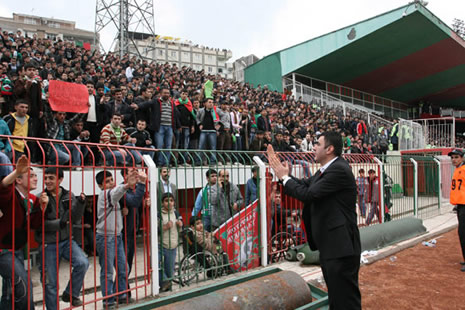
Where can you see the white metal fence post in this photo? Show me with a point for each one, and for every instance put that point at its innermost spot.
(381, 187)
(153, 177)
(263, 221)
(439, 184)
(415, 187)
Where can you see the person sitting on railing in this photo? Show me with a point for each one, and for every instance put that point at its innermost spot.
(59, 128)
(78, 134)
(20, 125)
(142, 137)
(15, 194)
(113, 134)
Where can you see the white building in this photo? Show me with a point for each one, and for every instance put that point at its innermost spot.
(184, 53)
(240, 65)
(46, 28)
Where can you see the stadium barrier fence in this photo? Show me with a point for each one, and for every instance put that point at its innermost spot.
(252, 222)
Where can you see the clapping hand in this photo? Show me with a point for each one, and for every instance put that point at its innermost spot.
(280, 169)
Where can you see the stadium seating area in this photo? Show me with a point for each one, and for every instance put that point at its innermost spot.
(129, 86)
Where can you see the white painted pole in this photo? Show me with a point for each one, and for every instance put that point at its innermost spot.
(440, 184)
(381, 187)
(415, 187)
(263, 217)
(153, 178)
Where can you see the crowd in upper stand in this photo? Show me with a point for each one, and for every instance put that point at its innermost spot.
(140, 103)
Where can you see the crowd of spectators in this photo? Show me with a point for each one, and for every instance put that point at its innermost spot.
(140, 103)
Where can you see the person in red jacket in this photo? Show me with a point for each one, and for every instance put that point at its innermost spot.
(20, 209)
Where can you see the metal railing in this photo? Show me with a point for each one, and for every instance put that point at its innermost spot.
(321, 98)
(247, 219)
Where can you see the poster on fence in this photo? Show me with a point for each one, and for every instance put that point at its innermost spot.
(68, 97)
(239, 238)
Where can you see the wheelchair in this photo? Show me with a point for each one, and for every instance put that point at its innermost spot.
(287, 234)
(198, 263)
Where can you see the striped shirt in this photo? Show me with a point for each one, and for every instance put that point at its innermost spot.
(166, 113)
(108, 136)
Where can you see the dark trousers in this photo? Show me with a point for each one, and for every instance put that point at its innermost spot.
(341, 276)
(224, 143)
(94, 131)
(461, 228)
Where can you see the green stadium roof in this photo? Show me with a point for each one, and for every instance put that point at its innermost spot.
(407, 54)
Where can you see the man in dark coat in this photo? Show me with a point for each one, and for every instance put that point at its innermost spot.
(330, 219)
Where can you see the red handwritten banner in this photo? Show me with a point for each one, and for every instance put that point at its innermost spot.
(68, 97)
(239, 238)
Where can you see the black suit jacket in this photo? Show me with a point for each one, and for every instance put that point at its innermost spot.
(329, 210)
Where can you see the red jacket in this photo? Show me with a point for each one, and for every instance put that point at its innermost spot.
(9, 197)
(362, 129)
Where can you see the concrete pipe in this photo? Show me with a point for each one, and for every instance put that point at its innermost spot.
(281, 290)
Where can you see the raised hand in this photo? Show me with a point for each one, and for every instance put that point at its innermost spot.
(22, 166)
(279, 168)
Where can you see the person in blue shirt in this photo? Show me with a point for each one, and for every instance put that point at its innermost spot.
(251, 187)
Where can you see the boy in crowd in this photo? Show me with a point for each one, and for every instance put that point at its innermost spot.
(170, 224)
(142, 136)
(109, 227)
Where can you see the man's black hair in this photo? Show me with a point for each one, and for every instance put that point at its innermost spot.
(102, 175)
(21, 101)
(210, 172)
(55, 171)
(335, 139)
(29, 65)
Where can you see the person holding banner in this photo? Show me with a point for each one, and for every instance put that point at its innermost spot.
(330, 217)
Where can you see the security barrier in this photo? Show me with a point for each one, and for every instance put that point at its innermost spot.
(196, 216)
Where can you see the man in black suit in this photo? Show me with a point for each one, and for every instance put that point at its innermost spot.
(330, 219)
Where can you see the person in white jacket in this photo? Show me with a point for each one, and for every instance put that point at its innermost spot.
(307, 145)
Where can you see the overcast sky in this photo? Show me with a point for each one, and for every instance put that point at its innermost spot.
(258, 27)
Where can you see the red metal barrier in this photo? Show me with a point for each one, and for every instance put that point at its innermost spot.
(286, 225)
(73, 213)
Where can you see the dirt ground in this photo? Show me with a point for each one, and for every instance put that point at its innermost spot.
(417, 278)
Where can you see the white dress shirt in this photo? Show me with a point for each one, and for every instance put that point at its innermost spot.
(322, 169)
